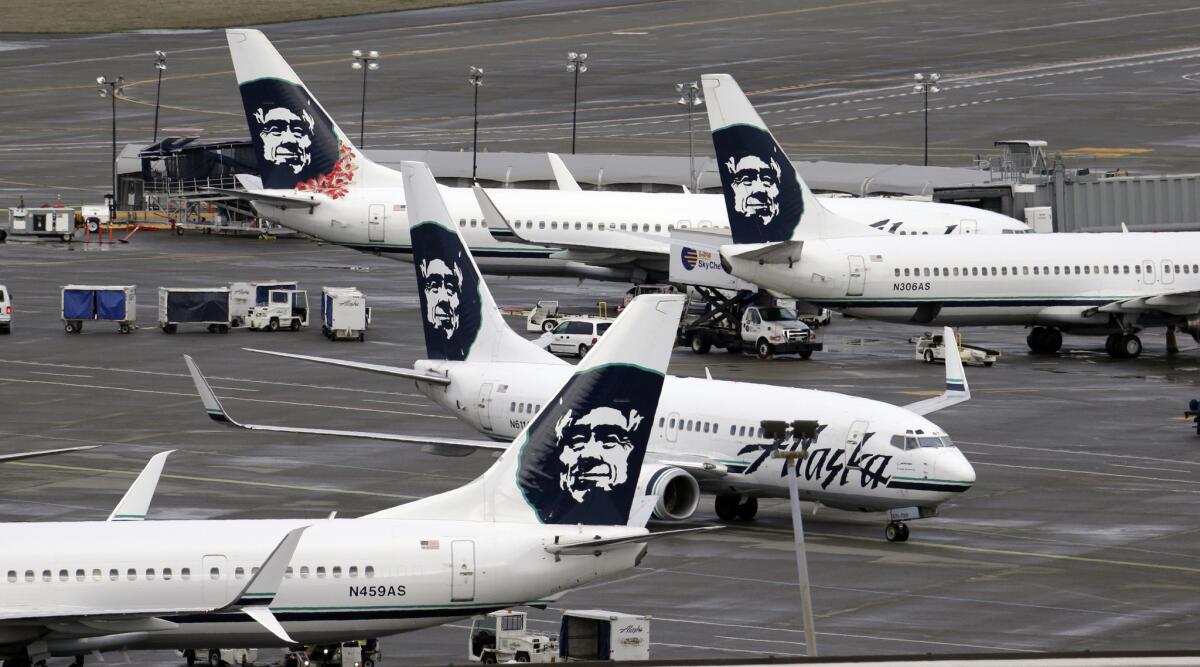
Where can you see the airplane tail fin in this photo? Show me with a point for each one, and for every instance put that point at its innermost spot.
(767, 201)
(297, 144)
(579, 459)
(460, 317)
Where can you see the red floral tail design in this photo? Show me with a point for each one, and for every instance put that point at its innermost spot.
(336, 183)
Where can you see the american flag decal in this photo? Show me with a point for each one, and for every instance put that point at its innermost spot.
(430, 544)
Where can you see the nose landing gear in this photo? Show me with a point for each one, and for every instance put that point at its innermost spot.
(896, 531)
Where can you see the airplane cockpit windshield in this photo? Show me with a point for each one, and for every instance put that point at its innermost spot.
(919, 440)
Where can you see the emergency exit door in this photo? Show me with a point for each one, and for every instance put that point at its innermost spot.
(858, 276)
(462, 564)
(375, 219)
(485, 406)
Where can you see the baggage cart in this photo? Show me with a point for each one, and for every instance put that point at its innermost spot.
(205, 306)
(344, 313)
(106, 303)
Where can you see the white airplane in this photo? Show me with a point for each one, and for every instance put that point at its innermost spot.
(560, 508)
(863, 455)
(1097, 284)
(313, 179)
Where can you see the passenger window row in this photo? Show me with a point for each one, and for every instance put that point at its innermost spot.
(98, 574)
(524, 408)
(1093, 269)
(335, 571)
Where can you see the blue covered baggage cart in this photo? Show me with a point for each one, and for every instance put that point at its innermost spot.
(193, 305)
(108, 303)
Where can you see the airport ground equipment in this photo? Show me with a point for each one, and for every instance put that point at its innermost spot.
(219, 657)
(344, 313)
(245, 295)
(544, 317)
(931, 348)
(730, 322)
(503, 636)
(206, 306)
(5, 311)
(594, 634)
(576, 335)
(49, 222)
(1193, 412)
(285, 308)
(106, 303)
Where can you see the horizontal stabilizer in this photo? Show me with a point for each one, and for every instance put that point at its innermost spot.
(406, 373)
(4, 458)
(308, 200)
(595, 546)
(136, 501)
(782, 252)
(957, 390)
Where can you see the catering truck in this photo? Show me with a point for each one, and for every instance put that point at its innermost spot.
(202, 306)
(101, 303)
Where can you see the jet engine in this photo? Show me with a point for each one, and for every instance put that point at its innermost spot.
(678, 492)
(1192, 326)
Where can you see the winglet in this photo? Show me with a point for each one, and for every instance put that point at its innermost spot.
(562, 175)
(136, 501)
(957, 390)
(255, 599)
(207, 395)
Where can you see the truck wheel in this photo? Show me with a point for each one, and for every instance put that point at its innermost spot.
(124, 328)
(179, 231)
(273, 325)
(93, 225)
(701, 344)
(929, 356)
(734, 348)
(764, 349)
(190, 656)
(295, 325)
(548, 325)
(522, 656)
(236, 322)
(169, 328)
(362, 335)
(805, 354)
(67, 237)
(223, 328)
(212, 328)
(488, 659)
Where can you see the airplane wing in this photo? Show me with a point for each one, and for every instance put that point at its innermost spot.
(136, 501)
(406, 373)
(45, 452)
(957, 389)
(254, 599)
(623, 247)
(1173, 303)
(433, 445)
(583, 547)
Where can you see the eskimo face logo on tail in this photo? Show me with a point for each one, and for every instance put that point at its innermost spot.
(583, 454)
(295, 142)
(762, 195)
(449, 292)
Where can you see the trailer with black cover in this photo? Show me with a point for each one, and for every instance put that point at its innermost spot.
(202, 306)
(101, 303)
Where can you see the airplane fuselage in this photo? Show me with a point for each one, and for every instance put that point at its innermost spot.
(858, 461)
(348, 577)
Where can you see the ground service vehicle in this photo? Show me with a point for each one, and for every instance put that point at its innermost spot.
(595, 634)
(5, 311)
(245, 295)
(502, 636)
(931, 348)
(344, 313)
(217, 657)
(544, 317)
(113, 303)
(766, 329)
(346, 654)
(577, 335)
(53, 221)
(193, 305)
(284, 308)
(1193, 413)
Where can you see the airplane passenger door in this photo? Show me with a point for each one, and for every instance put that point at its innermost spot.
(375, 222)
(214, 578)
(485, 406)
(672, 426)
(1167, 275)
(858, 276)
(1147, 272)
(968, 226)
(462, 564)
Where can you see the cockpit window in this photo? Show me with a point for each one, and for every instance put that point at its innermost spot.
(911, 441)
(929, 441)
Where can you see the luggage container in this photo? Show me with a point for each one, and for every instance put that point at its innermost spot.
(109, 303)
(344, 313)
(246, 295)
(193, 305)
(593, 634)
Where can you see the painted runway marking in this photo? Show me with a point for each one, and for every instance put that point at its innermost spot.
(1089, 472)
(65, 375)
(1077, 453)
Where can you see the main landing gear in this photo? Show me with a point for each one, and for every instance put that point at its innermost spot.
(736, 508)
(896, 531)
(1123, 346)
(1044, 340)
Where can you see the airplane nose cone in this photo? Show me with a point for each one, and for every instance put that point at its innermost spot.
(955, 470)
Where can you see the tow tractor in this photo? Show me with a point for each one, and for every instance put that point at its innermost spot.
(932, 349)
(501, 636)
(284, 308)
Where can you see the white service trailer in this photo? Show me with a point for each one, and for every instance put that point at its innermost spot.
(344, 313)
(595, 634)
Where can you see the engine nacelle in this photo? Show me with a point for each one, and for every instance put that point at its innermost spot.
(1192, 326)
(678, 492)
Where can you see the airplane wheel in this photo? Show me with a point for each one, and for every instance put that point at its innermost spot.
(1053, 341)
(726, 507)
(1130, 346)
(747, 509)
(929, 356)
(896, 532)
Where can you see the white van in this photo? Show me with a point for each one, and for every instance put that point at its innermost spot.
(5, 311)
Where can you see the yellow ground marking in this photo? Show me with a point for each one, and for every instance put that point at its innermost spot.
(214, 480)
(1105, 152)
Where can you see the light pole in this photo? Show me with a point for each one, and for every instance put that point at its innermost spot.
(160, 64)
(689, 97)
(804, 432)
(476, 79)
(110, 88)
(577, 64)
(926, 83)
(367, 63)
